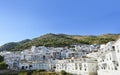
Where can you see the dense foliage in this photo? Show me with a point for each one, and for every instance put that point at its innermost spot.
(64, 73)
(2, 63)
(12, 45)
(59, 40)
(1, 58)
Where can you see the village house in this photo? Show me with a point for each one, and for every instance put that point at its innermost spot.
(108, 61)
(81, 66)
(84, 59)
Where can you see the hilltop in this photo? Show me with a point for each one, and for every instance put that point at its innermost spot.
(59, 40)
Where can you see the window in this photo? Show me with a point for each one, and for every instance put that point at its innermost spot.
(30, 66)
(115, 68)
(80, 68)
(104, 68)
(110, 57)
(76, 66)
(117, 64)
(101, 67)
(22, 67)
(113, 47)
(26, 67)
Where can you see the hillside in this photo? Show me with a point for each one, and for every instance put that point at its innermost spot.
(59, 40)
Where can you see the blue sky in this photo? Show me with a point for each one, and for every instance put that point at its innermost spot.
(22, 19)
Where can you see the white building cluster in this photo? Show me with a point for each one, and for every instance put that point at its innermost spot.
(82, 60)
(109, 60)
(80, 66)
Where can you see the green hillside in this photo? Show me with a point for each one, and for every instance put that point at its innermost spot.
(59, 40)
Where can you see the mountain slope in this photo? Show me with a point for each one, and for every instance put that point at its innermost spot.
(59, 40)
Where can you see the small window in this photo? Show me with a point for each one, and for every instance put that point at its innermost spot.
(22, 67)
(117, 64)
(110, 57)
(26, 67)
(113, 47)
(71, 60)
(115, 68)
(101, 67)
(80, 68)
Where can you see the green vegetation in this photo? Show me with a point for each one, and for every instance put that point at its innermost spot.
(40, 72)
(59, 40)
(2, 63)
(23, 73)
(32, 73)
(44, 73)
(64, 73)
(12, 45)
(1, 58)
(3, 66)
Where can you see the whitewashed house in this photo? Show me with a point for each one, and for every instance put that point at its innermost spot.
(12, 59)
(24, 65)
(108, 63)
(83, 66)
(117, 50)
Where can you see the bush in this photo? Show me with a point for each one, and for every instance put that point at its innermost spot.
(64, 73)
(3, 65)
(23, 73)
(1, 58)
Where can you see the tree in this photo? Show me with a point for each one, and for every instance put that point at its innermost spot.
(64, 73)
(3, 65)
(1, 58)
